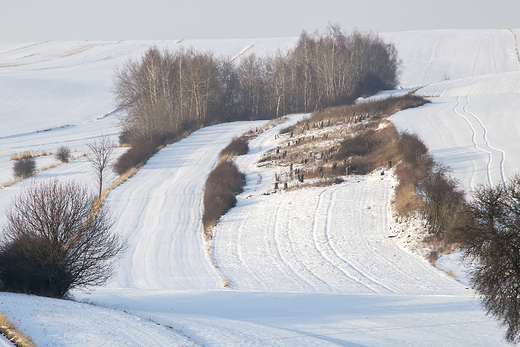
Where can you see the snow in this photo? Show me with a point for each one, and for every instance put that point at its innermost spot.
(437, 55)
(311, 267)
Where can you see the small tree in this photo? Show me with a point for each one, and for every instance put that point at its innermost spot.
(102, 150)
(24, 167)
(63, 154)
(53, 241)
(490, 239)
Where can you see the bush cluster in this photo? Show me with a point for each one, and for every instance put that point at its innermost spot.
(237, 146)
(63, 154)
(135, 156)
(222, 185)
(24, 167)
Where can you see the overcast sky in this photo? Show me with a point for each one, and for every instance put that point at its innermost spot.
(70, 20)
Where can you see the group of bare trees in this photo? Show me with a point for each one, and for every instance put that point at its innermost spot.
(166, 92)
(58, 234)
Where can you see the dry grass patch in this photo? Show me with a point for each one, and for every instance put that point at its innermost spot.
(7, 184)
(13, 334)
(29, 154)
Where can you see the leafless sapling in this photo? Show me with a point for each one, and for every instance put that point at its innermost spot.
(102, 149)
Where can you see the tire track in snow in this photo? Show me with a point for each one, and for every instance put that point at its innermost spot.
(329, 276)
(280, 242)
(431, 61)
(502, 153)
(474, 141)
(481, 142)
(322, 241)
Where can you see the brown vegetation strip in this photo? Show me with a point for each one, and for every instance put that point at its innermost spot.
(358, 139)
(13, 334)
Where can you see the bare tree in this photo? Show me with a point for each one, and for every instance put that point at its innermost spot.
(490, 238)
(53, 241)
(102, 150)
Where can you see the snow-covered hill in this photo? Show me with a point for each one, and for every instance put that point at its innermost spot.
(309, 267)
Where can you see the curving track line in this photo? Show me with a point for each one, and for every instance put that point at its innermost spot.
(481, 142)
(502, 153)
(431, 60)
(323, 242)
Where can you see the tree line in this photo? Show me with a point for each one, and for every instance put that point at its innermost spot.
(165, 93)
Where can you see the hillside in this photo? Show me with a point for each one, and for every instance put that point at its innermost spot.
(309, 267)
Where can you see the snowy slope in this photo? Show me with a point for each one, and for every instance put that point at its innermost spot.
(322, 240)
(307, 268)
(436, 55)
(472, 124)
(477, 136)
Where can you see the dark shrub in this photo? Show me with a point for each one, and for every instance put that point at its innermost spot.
(443, 200)
(24, 167)
(361, 144)
(237, 146)
(223, 183)
(63, 154)
(136, 156)
(414, 151)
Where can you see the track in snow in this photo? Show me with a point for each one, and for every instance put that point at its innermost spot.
(481, 142)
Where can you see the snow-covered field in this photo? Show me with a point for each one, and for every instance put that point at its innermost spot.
(314, 267)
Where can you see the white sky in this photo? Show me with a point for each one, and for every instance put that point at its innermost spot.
(68, 20)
